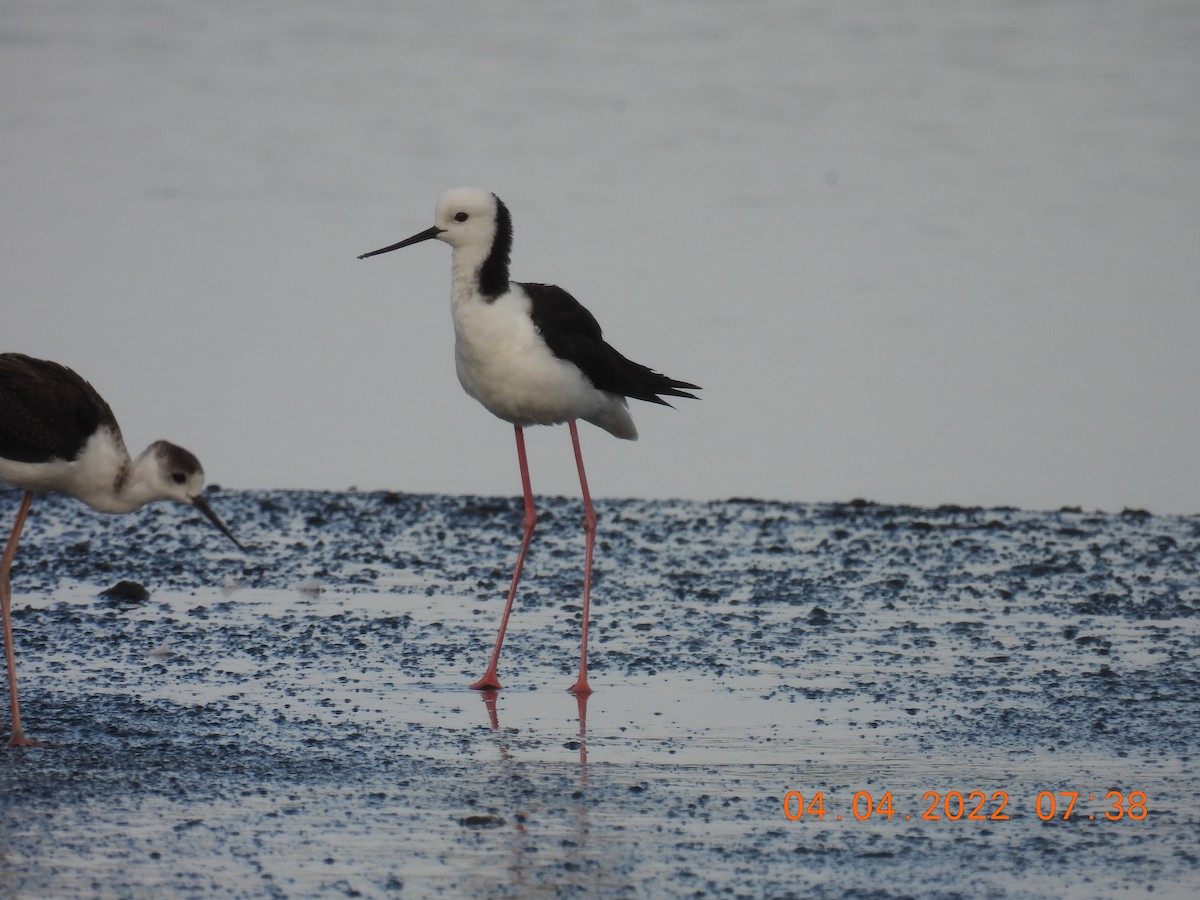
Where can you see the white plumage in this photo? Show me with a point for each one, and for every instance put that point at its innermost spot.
(504, 363)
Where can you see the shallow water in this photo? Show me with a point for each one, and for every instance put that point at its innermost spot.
(296, 722)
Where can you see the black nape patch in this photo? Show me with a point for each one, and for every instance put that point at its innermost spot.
(493, 274)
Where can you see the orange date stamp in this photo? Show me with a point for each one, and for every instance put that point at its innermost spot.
(971, 806)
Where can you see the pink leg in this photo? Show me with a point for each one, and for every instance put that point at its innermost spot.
(589, 527)
(489, 681)
(18, 738)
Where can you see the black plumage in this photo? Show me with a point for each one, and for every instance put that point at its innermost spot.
(573, 334)
(493, 274)
(47, 411)
(570, 331)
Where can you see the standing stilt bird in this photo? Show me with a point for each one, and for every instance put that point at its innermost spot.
(532, 355)
(58, 434)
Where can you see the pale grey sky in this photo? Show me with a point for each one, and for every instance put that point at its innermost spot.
(937, 253)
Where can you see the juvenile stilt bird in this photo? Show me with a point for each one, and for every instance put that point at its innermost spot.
(532, 355)
(58, 434)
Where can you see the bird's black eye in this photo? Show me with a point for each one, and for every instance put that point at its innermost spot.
(461, 217)
(178, 477)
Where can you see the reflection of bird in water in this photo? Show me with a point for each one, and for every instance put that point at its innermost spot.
(489, 701)
(58, 434)
(532, 355)
(509, 792)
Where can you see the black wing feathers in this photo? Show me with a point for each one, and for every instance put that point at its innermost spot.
(573, 334)
(46, 410)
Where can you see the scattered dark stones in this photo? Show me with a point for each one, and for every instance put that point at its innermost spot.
(125, 594)
(481, 821)
(895, 635)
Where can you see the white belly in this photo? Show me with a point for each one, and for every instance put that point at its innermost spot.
(503, 363)
(91, 477)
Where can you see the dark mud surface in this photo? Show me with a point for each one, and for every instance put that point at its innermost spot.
(295, 721)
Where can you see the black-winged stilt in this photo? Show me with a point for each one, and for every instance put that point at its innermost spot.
(532, 355)
(58, 434)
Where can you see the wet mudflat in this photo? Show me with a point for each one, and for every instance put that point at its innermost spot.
(295, 722)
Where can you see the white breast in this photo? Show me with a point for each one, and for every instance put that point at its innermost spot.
(503, 363)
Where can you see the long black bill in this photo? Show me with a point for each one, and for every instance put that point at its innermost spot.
(201, 504)
(425, 235)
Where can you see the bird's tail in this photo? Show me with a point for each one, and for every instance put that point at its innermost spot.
(643, 383)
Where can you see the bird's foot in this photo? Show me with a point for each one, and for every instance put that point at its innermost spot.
(580, 688)
(489, 682)
(19, 740)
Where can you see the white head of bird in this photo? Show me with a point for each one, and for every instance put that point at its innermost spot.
(466, 217)
(479, 228)
(165, 471)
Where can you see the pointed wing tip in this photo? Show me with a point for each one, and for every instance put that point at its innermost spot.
(677, 390)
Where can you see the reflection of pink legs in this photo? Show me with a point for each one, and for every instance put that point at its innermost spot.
(489, 681)
(489, 701)
(18, 738)
(490, 698)
(589, 526)
(582, 699)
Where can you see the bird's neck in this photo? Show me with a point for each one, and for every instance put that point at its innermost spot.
(464, 275)
(135, 486)
(481, 273)
(101, 474)
(106, 479)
